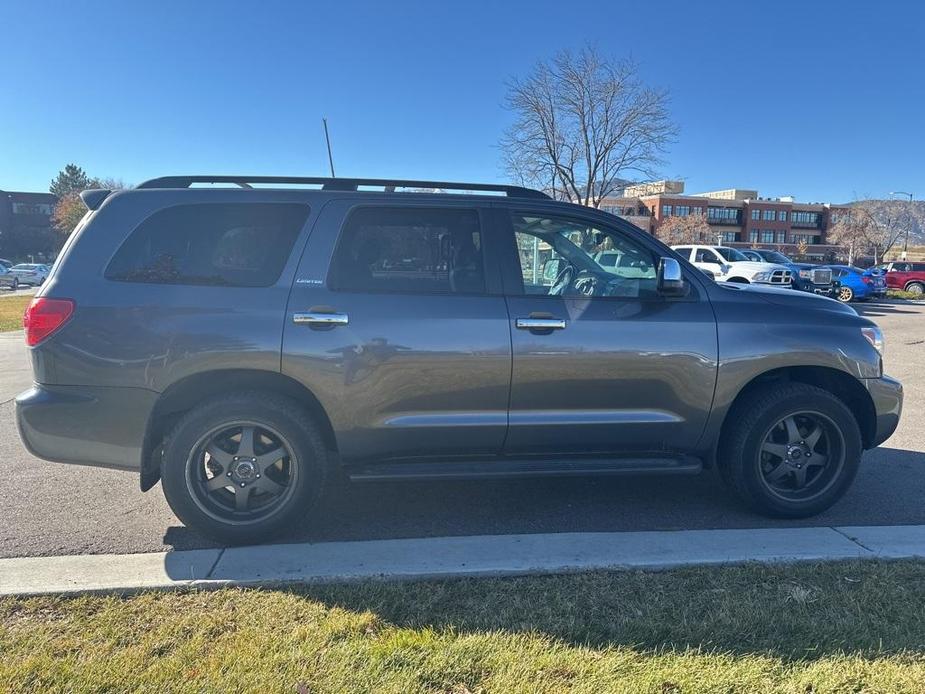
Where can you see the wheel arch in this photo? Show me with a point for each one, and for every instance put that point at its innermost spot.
(186, 393)
(920, 283)
(841, 384)
(739, 280)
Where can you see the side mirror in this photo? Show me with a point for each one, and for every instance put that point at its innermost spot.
(670, 278)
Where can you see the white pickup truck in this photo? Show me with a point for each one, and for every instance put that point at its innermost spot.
(730, 265)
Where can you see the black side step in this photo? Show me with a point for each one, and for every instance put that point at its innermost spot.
(504, 468)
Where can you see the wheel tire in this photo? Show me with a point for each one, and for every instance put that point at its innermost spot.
(299, 434)
(738, 280)
(845, 295)
(915, 288)
(15, 286)
(739, 455)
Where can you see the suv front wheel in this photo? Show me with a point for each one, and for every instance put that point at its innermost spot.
(792, 450)
(241, 468)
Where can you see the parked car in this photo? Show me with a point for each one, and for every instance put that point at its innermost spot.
(804, 277)
(731, 265)
(856, 284)
(8, 278)
(32, 274)
(244, 346)
(904, 275)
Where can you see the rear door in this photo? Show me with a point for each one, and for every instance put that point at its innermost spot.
(397, 323)
(602, 363)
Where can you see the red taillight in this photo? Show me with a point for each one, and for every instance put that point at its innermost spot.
(865, 279)
(45, 316)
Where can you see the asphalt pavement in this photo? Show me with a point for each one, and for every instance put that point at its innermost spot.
(54, 509)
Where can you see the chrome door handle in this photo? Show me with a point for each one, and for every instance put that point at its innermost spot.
(320, 319)
(540, 323)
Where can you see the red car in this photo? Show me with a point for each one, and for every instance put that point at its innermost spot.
(905, 275)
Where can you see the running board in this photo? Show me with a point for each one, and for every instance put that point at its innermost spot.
(505, 468)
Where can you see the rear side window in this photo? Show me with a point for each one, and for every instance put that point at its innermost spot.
(225, 244)
(418, 250)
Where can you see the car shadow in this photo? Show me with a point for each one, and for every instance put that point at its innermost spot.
(872, 308)
(888, 491)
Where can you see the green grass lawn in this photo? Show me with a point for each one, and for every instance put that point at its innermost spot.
(11, 310)
(839, 627)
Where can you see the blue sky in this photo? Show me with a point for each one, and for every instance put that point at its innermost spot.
(821, 100)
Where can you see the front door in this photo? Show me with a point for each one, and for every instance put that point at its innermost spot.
(602, 362)
(397, 324)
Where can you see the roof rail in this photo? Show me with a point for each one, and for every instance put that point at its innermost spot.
(345, 184)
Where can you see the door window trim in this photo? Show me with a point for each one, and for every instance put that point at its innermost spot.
(510, 259)
(492, 286)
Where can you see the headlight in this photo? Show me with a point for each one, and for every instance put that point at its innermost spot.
(874, 336)
(806, 274)
(762, 277)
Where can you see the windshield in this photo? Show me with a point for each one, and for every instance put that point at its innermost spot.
(731, 254)
(775, 257)
(24, 266)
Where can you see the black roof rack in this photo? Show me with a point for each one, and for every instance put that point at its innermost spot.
(345, 184)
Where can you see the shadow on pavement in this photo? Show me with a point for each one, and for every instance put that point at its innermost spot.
(888, 491)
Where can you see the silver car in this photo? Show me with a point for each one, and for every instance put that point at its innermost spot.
(33, 274)
(8, 278)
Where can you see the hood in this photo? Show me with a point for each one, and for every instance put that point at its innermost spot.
(785, 296)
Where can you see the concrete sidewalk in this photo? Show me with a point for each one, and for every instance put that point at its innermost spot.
(443, 557)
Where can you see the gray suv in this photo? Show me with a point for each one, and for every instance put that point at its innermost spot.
(244, 345)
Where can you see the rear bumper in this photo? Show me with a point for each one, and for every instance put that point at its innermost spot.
(887, 395)
(104, 427)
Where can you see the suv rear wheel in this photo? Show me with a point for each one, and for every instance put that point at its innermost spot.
(915, 288)
(792, 450)
(243, 467)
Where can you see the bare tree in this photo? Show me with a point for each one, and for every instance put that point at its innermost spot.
(855, 230)
(583, 124)
(680, 230)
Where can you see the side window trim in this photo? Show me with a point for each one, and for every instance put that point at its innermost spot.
(330, 280)
(510, 232)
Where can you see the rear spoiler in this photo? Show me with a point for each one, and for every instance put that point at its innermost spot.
(94, 198)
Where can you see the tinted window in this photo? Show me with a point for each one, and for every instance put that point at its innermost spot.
(400, 249)
(564, 257)
(731, 254)
(237, 244)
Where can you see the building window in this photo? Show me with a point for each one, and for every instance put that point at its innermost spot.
(804, 218)
(730, 236)
(666, 210)
(767, 236)
(781, 237)
(698, 211)
(721, 214)
(756, 215)
(782, 216)
(769, 215)
(753, 235)
(32, 208)
(682, 210)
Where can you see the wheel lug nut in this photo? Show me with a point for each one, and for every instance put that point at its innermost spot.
(242, 484)
(228, 473)
(258, 476)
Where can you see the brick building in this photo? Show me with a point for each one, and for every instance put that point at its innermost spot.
(738, 217)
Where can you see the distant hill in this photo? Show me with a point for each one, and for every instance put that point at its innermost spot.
(901, 215)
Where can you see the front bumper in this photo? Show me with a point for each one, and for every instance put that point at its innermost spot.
(104, 427)
(887, 396)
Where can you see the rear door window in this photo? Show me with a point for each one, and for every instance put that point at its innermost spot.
(414, 250)
(219, 244)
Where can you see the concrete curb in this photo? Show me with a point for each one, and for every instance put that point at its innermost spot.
(450, 557)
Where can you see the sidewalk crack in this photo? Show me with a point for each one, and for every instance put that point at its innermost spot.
(214, 564)
(852, 539)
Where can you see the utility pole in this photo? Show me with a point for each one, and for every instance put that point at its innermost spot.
(327, 139)
(906, 237)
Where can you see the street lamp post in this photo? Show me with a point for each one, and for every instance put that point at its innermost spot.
(906, 238)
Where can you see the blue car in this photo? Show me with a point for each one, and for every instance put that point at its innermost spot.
(858, 284)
